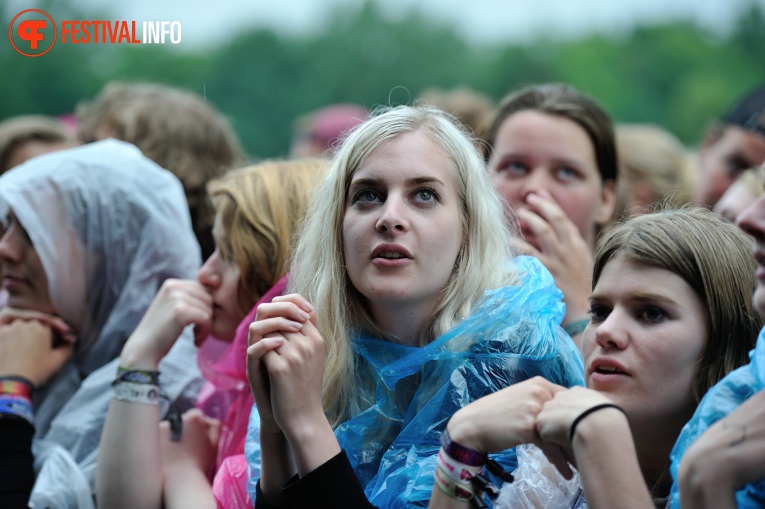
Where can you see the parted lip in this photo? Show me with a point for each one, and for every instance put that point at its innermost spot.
(13, 277)
(600, 362)
(390, 248)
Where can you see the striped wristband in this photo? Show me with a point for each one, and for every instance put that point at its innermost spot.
(132, 392)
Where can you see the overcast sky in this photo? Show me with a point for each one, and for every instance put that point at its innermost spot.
(208, 22)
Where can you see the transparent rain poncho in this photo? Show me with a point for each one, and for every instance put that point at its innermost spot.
(109, 226)
(407, 394)
(722, 399)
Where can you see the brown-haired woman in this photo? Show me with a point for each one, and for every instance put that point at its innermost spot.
(671, 315)
(552, 155)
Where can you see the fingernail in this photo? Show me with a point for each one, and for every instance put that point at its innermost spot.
(295, 325)
(304, 315)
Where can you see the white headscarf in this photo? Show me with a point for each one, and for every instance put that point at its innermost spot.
(109, 226)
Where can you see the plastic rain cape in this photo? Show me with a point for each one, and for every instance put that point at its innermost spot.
(109, 226)
(407, 394)
(721, 400)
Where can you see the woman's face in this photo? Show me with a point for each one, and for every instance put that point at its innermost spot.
(402, 230)
(220, 277)
(24, 277)
(536, 151)
(648, 330)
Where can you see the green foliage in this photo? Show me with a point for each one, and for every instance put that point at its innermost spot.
(676, 75)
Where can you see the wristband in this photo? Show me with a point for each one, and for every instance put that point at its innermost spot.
(136, 392)
(462, 454)
(137, 376)
(588, 412)
(17, 406)
(452, 488)
(17, 386)
(455, 470)
(576, 327)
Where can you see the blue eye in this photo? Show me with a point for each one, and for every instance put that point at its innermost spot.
(426, 194)
(512, 168)
(366, 196)
(567, 173)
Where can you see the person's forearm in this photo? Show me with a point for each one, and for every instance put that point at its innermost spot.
(709, 495)
(129, 468)
(277, 466)
(313, 444)
(701, 482)
(607, 462)
(187, 487)
(439, 500)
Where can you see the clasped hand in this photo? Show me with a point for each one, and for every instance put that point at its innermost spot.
(285, 365)
(535, 411)
(33, 345)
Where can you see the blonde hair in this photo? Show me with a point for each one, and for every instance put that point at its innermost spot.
(319, 271)
(473, 109)
(261, 209)
(174, 128)
(17, 131)
(649, 154)
(713, 257)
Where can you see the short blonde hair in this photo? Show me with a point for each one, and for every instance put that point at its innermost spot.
(16, 131)
(319, 271)
(651, 155)
(261, 209)
(174, 128)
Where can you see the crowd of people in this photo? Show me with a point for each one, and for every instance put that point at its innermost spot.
(452, 304)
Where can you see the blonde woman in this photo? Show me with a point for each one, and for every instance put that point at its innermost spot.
(406, 305)
(258, 212)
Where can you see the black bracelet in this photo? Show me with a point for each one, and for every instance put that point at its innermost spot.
(588, 412)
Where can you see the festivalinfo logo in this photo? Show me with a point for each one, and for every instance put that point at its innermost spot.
(33, 32)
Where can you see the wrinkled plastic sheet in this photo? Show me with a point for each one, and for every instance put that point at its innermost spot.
(539, 485)
(407, 394)
(721, 400)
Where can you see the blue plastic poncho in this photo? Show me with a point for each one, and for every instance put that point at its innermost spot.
(721, 400)
(407, 394)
